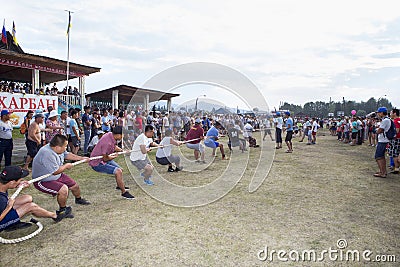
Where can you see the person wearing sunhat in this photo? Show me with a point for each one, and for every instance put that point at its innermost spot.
(53, 124)
(6, 141)
(380, 151)
(12, 210)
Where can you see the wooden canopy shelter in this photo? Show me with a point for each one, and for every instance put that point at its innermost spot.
(125, 94)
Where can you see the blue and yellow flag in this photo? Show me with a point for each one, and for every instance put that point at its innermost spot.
(14, 34)
(69, 24)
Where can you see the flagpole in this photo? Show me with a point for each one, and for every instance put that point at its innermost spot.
(68, 35)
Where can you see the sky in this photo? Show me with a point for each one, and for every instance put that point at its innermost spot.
(293, 51)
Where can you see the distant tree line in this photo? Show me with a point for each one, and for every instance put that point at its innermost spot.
(321, 109)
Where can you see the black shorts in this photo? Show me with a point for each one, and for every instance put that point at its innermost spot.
(75, 142)
(289, 135)
(32, 148)
(354, 135)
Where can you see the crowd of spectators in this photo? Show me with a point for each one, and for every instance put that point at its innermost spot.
(26, 88)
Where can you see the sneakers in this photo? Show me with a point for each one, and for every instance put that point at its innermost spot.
(126, 188)
(148, 182)
(127, 195)
(170, 169)
(81, 201)
(177, 169)
(66, 213)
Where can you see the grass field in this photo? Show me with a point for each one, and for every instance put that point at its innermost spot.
(310, 200)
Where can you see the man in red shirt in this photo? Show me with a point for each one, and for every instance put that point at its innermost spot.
(196, 132)
(394, 148)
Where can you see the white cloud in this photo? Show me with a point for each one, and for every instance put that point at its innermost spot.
(281, 45)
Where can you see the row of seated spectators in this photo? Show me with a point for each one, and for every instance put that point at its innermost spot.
(26, 88)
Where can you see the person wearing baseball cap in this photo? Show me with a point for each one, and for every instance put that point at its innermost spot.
(380, 151)
(6, 141)
(289, 132)
(12, 210)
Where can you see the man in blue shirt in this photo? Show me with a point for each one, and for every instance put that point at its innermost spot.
(289, 132)
(212, 137)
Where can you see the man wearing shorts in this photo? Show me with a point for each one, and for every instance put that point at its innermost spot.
(139, 153)
(50, 159)
(212, 137)
(382, 142)
(33, 139)
(106, 146)
(196, 132)
(289, 132)
(12, 210)
(75, 136)
(164, 153)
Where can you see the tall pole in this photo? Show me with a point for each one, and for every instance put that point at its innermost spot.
(68, 35)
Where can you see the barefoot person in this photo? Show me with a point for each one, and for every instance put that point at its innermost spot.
(12, 210)
(196, 132)
(139, 153)
(50, 159)
(106, 146)
(164, 153)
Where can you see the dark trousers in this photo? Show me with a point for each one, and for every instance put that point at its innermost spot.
(278, 135)
(6, 147)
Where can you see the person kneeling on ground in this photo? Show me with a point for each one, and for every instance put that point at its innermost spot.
(50, 159)
(12, 210)
(139, 153)
(196, 133)
(106, 147)
(212, 137)
(164, 153)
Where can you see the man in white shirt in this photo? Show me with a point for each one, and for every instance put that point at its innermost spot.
(278, 130)
(139, 153)
(382, 142)
(130, 119)
(6, 141)
(314, 130)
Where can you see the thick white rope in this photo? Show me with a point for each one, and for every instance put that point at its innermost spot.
(40, 226)
(20, 239)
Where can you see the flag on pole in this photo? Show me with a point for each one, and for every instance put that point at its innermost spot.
(4, 34)
(14, 34)
(69, 24)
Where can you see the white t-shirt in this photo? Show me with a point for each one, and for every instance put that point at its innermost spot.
(129, 120)
(137, 154)
(247, 130)
(68, 128)
(165, 122)
(279, 122)
(315, 126)
(6, 129)
(385, 125)
(166, 151)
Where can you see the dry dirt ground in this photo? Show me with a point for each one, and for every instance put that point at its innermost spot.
(311, 199)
